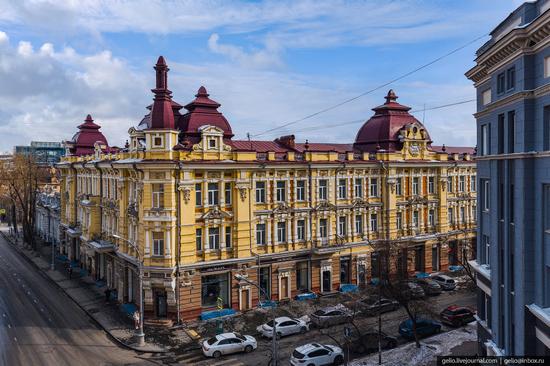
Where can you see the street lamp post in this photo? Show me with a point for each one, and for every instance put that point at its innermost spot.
(274, 356)
(141, 335)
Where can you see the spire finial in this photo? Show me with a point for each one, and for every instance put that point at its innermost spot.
(306, 146)
(162, 74)
(88, 118)
(202, 92)
(391, 97)
(443, 148)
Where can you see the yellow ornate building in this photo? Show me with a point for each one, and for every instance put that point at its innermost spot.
(203, 207)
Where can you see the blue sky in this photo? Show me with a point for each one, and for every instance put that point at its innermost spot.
(266, 62)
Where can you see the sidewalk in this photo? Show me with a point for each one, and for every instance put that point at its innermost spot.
(88, 296)
(459, 341)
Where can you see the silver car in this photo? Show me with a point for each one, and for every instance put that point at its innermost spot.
(331, 316)
(446, 282)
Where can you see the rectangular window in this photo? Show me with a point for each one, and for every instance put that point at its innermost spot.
(500, 126)
(158, 244)
(228, 192)
(228, 237)
(450, 216)
(415, 188)
(399, 186)
(323, 228)
(500, 83)
(486, 97)
(547, 66)
(214, 238)
(485, 140)
(281, 191)
(342, 189)
(358, 224)
(373, 222)
(198, 239)
(260, 234)
(260, 192)
(485, 194)
(358, 188)
(473, 183)
(415, 222)
(374, 187)
(462, 215)
(449, 184)
(264, 282)
(300, 190)
(431, 218)
(342, 225)
(431, 185)
(301, 230)
(213, 194)
(511, 131)
(399, 221)
(158, 195)
(302, 278)
(462, 183)
(198, 194)
(511, 78)
(486, 249)
(213, 288)
(281, 232)
(323, 189)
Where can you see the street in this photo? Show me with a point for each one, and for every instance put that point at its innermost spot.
(39, 325)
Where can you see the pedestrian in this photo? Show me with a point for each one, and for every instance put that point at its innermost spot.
(70, 269)
(107, 294)
(136, 319)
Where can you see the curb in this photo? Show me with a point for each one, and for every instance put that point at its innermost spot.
(90, 315)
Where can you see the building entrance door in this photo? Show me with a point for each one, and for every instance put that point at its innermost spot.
(284, 287)
(245, 299)
(325, 282)
(160, 304)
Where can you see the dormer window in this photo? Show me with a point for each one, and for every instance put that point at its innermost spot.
(157, 141)
(211, 143)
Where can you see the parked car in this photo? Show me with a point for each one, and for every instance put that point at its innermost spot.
(424, 327)
(446, 282)
(315, 354)
(412, 290)
(284, 326)
(368, 342)
(331, 315)
(227, 343)
(457, 315)
(372, 306)
(429, 286)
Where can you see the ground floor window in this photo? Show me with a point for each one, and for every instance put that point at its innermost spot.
(265, 281)
(345, 267)
(435, 258)
(326, 274)
(375, 265)
(419, 259)
(453, 259)
(302, 276)
(214, 287)
(362, 274)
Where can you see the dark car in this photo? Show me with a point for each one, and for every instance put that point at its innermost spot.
(368, 342)
(457, 315)
(372, 306)
(331, 316)
(429, 286)
(424, 327)
(411, 290)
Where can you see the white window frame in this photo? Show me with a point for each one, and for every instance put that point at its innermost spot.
(157, 195)
(431, 185)
(261, 233)
(301, 230)
(260, 192)
(199, 239)
(342, 225)
(213, 238)
(323, 189)
(358, 224)
(415, 219)
(358, 188)
(280, 192)
(416, 186)
(399, 220)
(431, 218)
(374, 222)
(213, 194)
(323, 228)
(342, 188)
(158, 244)
(300, 190)
(374, 187)
(281, 232)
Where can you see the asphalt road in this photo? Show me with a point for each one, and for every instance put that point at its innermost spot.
(40, 325)
(261, 356)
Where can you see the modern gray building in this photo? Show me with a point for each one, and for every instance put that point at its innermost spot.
(512, 79)
(45, 153)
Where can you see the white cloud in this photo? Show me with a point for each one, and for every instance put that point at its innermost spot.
(264, 58)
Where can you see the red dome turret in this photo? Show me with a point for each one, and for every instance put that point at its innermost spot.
(83, 141)
(162, 115)
(203, 111)
(381, 131)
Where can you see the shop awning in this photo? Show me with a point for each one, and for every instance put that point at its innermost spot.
(101, 246)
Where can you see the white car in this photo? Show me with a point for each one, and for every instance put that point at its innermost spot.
(227, 343)
(285, 326)
(446, 282)
(314, 354)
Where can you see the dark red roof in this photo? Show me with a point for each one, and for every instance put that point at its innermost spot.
(201, 112)
(162, 115)
(454, 149)
(381, 131)
(273, 146)
(83, 141)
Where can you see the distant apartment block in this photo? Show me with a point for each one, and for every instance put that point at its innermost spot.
(45, 153)
(512, 78)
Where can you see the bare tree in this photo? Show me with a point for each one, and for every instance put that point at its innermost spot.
(20, 180)
(464, 251)
(393, 262)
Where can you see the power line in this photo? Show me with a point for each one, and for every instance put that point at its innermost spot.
(372, 90)
(339, 124)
